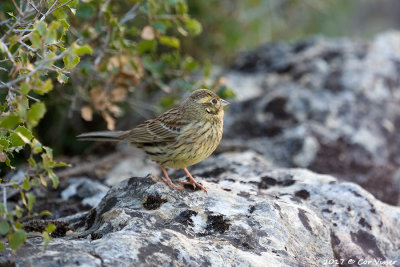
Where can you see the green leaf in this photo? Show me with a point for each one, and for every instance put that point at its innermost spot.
(16, 239)
(62, 78)
(2, 246)
(132, 30)
(181, 8)
(170, 41)
(32, 162)
(145, 46)
(36, 181)
(64, 23)
(54, 178)
(25, 88)
(60, 13)
(225, 92)
(73, 3)
(4, 143)
(193, 26)
(27, 134)
(70, 61)
(9, 121)
(8, 163)
(81, 50)
(36, 146)
(18, 225)
(50, 228)
(43, 180)
(31, 200)
(16, 140)
(23, 198)
(23, 106)
(46, 239)
(189, 64)
(49, 152)
(41, 27)
(26, 186)
(85, 10)
(158, 25)
(45, 213)
(35, 113)
(35, 40)
(18, 212)
(13, 40)
(51, 36)
(44, 87)
(3, 106)
(4, 227)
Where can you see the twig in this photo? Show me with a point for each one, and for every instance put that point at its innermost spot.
(66, 3)
(16, 91)
(5, 200)
(103, 7)
(37, 10)
(7, 51)
(131, 14)
(16, 6)
(102, 50)
(24, 30)
(27, 47)
(39, 67)
(49, 10)
(10, 29)
(5, 21)
(8, 184)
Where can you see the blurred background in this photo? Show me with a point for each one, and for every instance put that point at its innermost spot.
(234, 26)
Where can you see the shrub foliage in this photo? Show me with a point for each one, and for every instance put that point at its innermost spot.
(95, 52)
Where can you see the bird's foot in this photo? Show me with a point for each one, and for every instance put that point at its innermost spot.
(171, 184)
(194, 184)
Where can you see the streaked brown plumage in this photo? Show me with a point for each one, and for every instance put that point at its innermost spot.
(178, 138)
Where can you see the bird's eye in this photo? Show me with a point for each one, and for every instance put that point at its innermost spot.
(214, 101)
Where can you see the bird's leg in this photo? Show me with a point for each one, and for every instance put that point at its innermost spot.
(192, 181)
(168, 181)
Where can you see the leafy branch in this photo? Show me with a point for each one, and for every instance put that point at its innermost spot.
(31, 51)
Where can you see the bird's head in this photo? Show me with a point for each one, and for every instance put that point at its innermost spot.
(205, 103)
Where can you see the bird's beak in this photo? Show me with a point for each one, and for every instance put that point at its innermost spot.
(224, 103)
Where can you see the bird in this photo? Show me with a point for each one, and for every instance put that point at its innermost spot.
(178, 138)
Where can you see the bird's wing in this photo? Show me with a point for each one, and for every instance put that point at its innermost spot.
(164, 128)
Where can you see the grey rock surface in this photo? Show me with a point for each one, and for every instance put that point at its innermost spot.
(134, 163)
(329, 105)
(91, 192)
(252, 215)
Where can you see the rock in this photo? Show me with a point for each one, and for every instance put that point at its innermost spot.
(135, 162)
(245, 85)
(253, 214)
(91, 192)
(329, 105)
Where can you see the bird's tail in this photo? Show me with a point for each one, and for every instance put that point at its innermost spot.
(102, 136)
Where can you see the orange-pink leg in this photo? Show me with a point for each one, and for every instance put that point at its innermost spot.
(168, 181)
(192, 181)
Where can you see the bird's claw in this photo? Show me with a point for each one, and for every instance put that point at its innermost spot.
(194, 184)
(171, 184)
